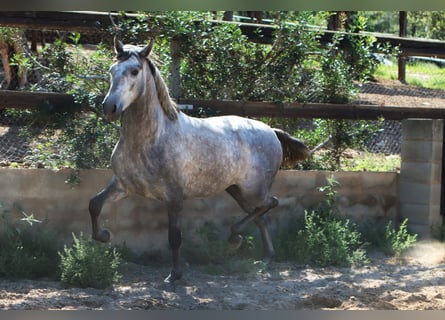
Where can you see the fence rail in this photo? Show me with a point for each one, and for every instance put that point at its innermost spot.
(35, 100)
(65, 102)
(100, 21)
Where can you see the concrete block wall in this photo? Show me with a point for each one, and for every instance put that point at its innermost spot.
(142, 224)
(420, 174)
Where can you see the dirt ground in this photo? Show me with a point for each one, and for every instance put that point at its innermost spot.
(415, 282)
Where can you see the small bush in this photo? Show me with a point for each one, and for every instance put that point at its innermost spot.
(89, 264)
(321, 241)
(398, 241)
(27, 248)
(383, 236)
(323, 237)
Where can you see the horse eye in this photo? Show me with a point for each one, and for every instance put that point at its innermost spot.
(134, 72)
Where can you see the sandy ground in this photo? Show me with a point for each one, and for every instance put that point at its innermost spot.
(415, 282)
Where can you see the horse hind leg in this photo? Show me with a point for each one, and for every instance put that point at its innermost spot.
(113, 192)
(268, 249)
(254, 214)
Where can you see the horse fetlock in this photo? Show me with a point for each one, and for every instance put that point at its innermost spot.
(104, 236)
(235, 240)
(274, 202)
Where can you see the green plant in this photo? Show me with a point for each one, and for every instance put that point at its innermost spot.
(332, 138)
(398, 240)
(367, 161)
(89, 264)
(293, 68)
(322, 237)
(28, 248)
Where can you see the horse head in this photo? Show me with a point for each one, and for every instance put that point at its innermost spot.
(128, 81)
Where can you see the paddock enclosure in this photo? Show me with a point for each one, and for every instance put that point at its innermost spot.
(413, 129)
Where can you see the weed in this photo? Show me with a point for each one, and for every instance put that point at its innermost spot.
(398, 241)
(27, 248)
(89, 264)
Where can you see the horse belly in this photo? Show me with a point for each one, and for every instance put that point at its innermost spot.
(212, 175)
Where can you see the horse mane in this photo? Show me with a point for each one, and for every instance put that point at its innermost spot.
(167, 104)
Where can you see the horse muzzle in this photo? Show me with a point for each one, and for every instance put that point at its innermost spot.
(111, 110)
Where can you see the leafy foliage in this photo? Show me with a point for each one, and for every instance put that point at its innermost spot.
(335, 136)
(218, 62)
(323, 237)
(89, 264)
(398, 240)
(28, 249)
(82, 140)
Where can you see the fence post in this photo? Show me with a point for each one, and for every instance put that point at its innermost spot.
(402, 57)
(175, 76)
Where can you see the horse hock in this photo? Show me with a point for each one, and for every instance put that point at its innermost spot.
(235, 239)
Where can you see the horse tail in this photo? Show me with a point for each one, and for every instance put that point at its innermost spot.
(293, 149)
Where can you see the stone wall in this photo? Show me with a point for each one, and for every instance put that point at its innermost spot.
(142, 224)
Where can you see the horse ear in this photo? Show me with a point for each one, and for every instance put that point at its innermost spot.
(118, 45)
(147, 49)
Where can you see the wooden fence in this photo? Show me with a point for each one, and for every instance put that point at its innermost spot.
(100, 21)
(63, 102)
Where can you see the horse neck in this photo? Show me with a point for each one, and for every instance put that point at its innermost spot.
(143, 122)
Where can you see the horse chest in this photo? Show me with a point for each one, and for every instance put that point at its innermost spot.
(141, 174)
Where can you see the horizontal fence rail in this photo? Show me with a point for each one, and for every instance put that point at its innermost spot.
(314, 110)
(64, 102)
(100, 21)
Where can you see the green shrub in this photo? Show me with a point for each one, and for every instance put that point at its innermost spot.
(27, 248)
(383, 236)
(89, 264)
(398, 241)
(323, 237)
(321, 241)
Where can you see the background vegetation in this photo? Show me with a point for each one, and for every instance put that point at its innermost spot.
(218, 62)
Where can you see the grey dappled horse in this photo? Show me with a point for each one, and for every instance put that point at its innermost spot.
(164, 154)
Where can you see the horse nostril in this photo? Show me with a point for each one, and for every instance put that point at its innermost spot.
(114, 109)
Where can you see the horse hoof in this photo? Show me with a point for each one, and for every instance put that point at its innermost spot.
(170, 281)
(235, 241)
(267, 259)
(169, 286)
(105, 236)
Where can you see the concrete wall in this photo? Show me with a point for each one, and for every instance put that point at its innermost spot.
(143, 224)
(420, 174)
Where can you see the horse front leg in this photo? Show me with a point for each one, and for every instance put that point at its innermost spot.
(174, 209)
(114, 192)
